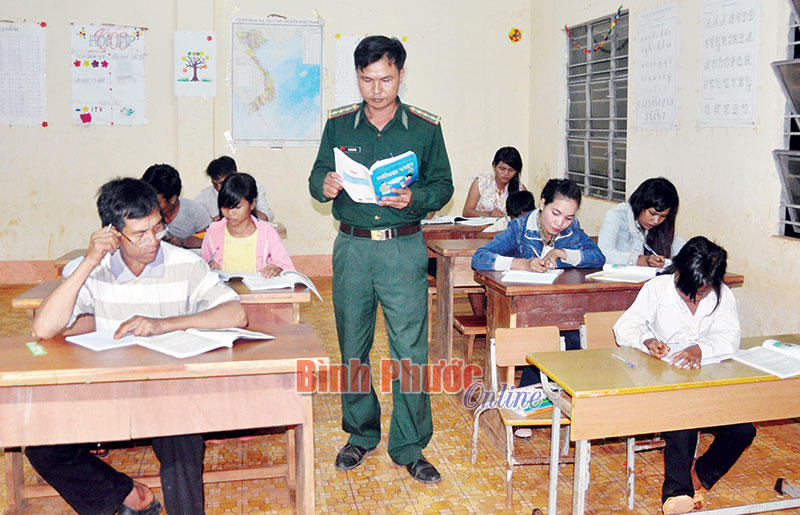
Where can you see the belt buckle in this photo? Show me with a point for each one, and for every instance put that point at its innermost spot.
(379, 234)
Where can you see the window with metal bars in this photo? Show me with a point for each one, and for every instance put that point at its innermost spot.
(788, 159)
(597, 92)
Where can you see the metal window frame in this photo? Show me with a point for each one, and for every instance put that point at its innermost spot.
(615, 73)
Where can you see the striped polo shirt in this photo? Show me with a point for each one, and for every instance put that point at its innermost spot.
(178, 282)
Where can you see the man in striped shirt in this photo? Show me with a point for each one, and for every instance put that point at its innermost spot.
(132, 283)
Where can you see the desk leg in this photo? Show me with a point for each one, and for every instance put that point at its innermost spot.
(580, 485)
(296, 312)
(444, 310)
(555, 434)
(14, 481)
(304, 459)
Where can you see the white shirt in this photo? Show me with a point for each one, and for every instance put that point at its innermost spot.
(716, 332)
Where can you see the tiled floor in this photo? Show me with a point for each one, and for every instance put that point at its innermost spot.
(379, 486)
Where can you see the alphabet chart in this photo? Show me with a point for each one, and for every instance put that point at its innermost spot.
(656, 68)
(23, 98)
(107, 74)
(729, 45)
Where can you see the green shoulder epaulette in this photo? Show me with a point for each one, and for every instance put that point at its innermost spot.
(343, 110)
(425, 115)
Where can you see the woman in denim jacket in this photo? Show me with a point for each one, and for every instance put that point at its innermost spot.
(646, 220)
(549, 237)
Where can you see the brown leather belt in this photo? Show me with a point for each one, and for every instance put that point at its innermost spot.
(380, 234)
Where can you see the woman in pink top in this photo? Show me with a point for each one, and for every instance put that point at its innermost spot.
(237, 199)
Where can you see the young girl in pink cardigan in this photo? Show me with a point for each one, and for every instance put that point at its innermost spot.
(239, 242)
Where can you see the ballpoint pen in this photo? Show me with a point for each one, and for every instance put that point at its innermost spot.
(623, 360)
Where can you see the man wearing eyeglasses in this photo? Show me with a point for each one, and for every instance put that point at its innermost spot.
(132, 283)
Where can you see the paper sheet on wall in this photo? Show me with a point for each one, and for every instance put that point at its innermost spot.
(23, 99)
(107, 74)
(346, 80)
(657, 68)
(195, 64)
(729, 46)
(276, 87)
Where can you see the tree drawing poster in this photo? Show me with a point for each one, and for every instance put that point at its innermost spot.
(107, 74)
(195, 64)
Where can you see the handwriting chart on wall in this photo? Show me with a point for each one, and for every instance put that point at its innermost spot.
(728, 50)
(657, 68)
(107, 74)
(22, 74)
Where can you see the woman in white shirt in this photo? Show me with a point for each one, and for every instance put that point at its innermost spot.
(631, 231)
(689, 306)
(488, 193)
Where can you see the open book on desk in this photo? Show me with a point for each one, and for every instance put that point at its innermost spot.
(178, 344)
(624, 274)
(460, 220)
(528, 277)
(286, 279)
(368, 186)
(774, 357)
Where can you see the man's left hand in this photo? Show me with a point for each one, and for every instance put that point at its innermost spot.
(689, 357)
(399, 201)
(140, 326)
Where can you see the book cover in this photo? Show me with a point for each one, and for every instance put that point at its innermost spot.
(368, 185)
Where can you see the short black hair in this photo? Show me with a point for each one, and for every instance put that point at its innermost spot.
(122, 199)
(236, 187)
(511, 157)
(561, 188)
(374, 48)
(699, 262)
(164, 179)
(660, 194)
(221, 167)
(519, 203)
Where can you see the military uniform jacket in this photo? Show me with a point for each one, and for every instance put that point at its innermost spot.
(411, 129)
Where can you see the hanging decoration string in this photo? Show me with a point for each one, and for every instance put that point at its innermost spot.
(600, 44)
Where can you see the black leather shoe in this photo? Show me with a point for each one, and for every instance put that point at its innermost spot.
(423, 471)
(350, 456)
(154, 508)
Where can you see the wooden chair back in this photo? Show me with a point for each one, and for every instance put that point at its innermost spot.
(512, 345)
(600, 329)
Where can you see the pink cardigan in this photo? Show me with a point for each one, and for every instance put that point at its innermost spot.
(269, 249)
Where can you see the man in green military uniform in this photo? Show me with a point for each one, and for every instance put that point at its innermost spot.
(379, 254)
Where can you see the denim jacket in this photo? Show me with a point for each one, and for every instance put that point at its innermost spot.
(522, 240)
(621, 240)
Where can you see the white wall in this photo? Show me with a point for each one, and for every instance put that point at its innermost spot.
(461, 65)
(726, 177)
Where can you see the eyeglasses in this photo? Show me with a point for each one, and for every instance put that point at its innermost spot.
(157, 233)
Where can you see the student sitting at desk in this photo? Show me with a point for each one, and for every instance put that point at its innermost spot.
(184, 217)
(241, 243)
(132, 283)
(549, 237)
(488, 193)
(218, 169)
(642, 230)
(689, 305)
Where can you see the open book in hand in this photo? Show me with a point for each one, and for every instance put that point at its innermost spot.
(178, 344)
(368, 186)
(528, 277)
(624, 274)
(774, 357)
(286, 279)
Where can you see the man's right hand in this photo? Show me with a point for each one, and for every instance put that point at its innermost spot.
(332, 185)
(101, 243)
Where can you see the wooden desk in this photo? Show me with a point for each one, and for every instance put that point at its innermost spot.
(74, 395)
(61, 261)
(454, 232)
(453, 270)
(605, 398)
(562, 303)
(264, 309)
